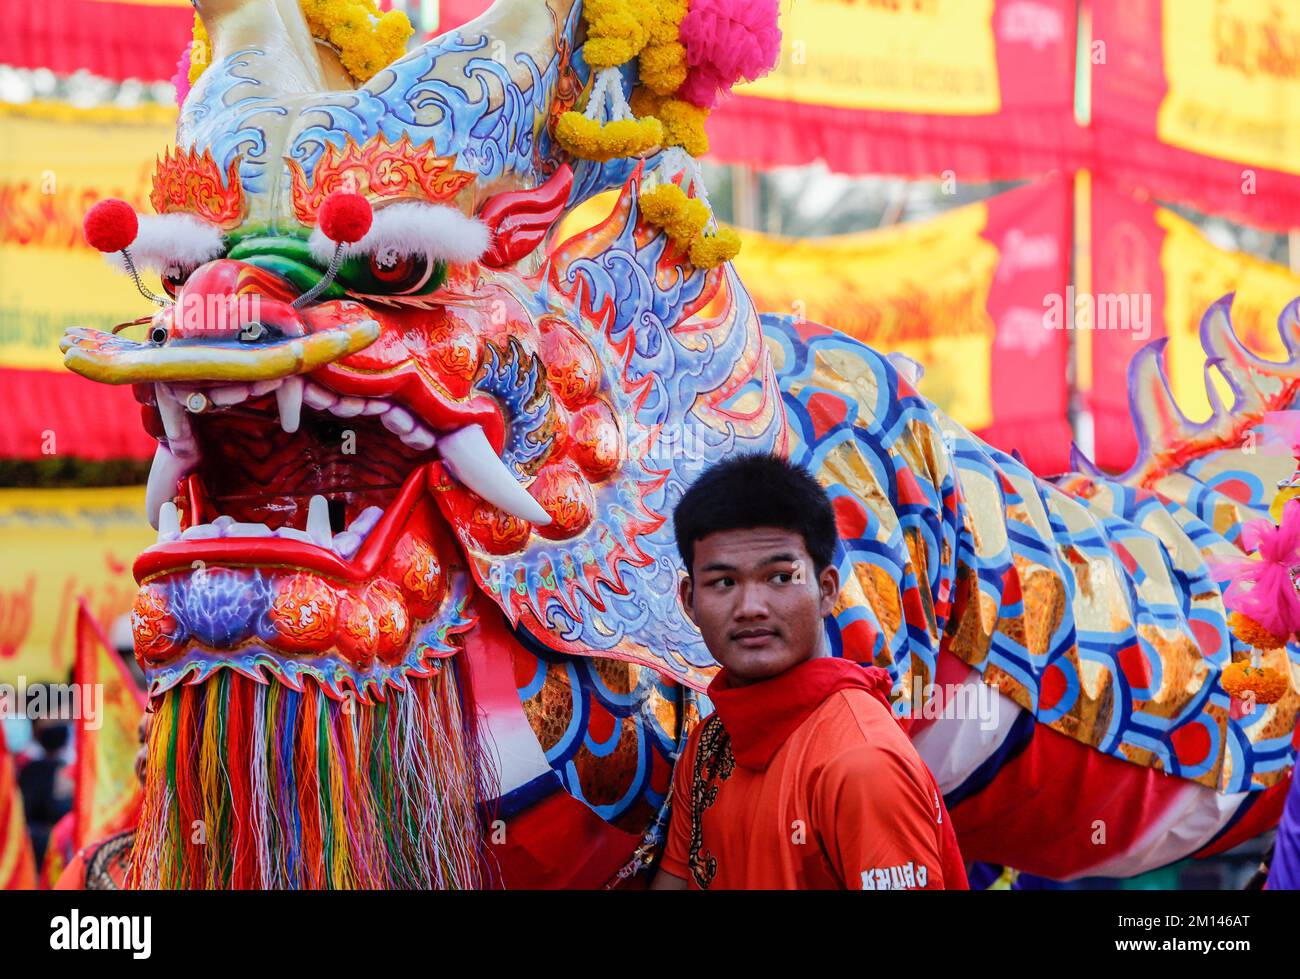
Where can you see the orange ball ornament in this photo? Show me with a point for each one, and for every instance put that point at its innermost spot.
(564, 493)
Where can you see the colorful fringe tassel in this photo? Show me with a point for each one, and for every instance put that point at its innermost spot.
(254, 785)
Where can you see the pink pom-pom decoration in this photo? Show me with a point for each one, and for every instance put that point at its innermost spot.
(182, 77)
(344, 218)
(727, 42)
(110, 225)
(1261, 586)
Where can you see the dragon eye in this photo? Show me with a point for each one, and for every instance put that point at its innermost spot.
(398, 274)
(173, 278)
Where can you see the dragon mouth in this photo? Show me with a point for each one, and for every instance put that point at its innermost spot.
(289, 473)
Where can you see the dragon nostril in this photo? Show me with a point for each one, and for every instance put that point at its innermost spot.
(158, 335)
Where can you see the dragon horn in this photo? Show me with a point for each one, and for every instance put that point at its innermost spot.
(290, 64)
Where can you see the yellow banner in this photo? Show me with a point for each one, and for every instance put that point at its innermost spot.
(1233, 69)
(57, 546)
(921, 290)
(57, 162)
(929, 56)
(1197, 274)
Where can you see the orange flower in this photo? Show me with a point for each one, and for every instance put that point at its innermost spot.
(1252, 633)
(1265, 683)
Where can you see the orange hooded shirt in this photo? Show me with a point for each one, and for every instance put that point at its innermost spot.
(807, 781)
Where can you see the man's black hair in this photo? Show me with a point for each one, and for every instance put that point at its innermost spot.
(756, 490)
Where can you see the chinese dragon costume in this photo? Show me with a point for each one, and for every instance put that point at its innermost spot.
(411, 618)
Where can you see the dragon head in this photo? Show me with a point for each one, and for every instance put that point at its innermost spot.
(368, 442)
(346, 453)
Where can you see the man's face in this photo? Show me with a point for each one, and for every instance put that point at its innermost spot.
(758, 601)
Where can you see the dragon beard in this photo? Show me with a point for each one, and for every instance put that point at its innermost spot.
(256, 785)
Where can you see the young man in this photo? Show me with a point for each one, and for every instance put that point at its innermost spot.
(803, 777)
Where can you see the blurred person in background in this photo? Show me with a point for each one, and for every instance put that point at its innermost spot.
(45, 779)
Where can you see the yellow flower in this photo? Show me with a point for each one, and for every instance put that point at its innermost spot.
(681, 217)
(667, 21)
(709, 251)
(616, 33)
(644, 102)
(663, 67)
(684, 126)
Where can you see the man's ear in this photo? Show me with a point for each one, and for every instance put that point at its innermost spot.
(686, 595)
(829, 584)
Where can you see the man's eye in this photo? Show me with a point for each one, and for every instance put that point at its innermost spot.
(721, 583)
(783, 577)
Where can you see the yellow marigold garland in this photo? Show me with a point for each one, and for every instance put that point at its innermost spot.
(1252, 633)
(663, 67)
(682, 217)
(592, 140)
(366, 39)
(711, 250)
(683, 122)
(617, 32)
(1240, 678)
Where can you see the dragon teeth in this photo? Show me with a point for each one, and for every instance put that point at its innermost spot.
(398, 421)
(288, 396)
(175, 421)
(247, 530)
(226, 395)
(347, 542)
(318, 521)
(167, 470)
(317, 398)
(347, 407)
(473, 461)
(365, 521)
(420, 439)
(169, 522)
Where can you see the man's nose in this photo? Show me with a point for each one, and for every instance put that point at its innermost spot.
(751, 601)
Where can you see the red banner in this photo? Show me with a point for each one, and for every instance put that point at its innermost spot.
(57, 413)
(123, 39)
(981, 88)
(1154, 275)
(1195, 100)
(1031, 229)
(967, 294)
(107, 794)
